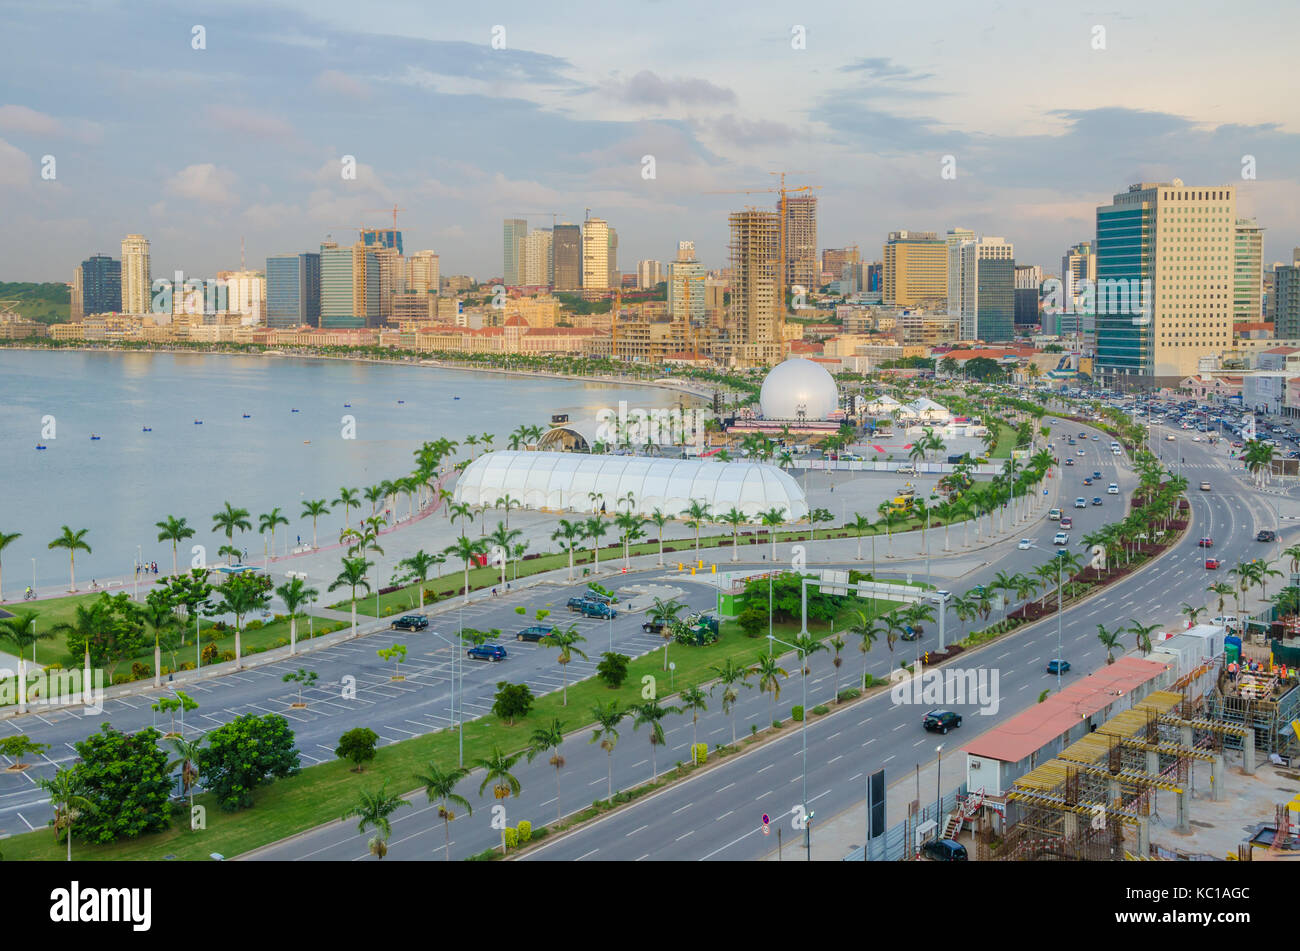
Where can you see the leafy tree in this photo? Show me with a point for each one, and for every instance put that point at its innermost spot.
(613, 669)
(440, 786)
(395, 653)
(124, 777)
(169, 705)
(512, 701)
(19, 746)
(247, 753)
(241, 595)
(107, 629)
(66, 796)
(359, 745)
(303, 678)
(373, 810)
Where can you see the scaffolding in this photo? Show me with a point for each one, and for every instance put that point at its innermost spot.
(1261, 702)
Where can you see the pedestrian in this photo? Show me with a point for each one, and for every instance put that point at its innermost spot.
(299, 539)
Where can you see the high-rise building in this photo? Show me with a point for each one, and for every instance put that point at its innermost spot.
(516, 229)
(961, 286)
(915, 269)
(836, 260)
(293, 290)
(1172, 247)
(422, 272)
(754, 317)
(376, 238)
(615, 279)
(101, 285)
(392, 279)
(686, 279)
(1028, 282)
(595, 254)
(566, 255)
(76, 310)
(349, 288)
(1285, 300)
(245, 293)
(648, 274)
(538, 262)
(800, 241)
(137, 278)
(995, 306)
(984, 307)
(1248, 271)
(1078, 275)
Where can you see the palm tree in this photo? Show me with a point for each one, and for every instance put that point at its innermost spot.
(295, 593)
(497, 768)
(19, 629)
(595, 528)
(440, 786)
(353, 576)
(187, 758)
(660, 520)
(349, 499)
(73, 542)
(418, 565)
(1222, 590)
(837, 642)
(173, 530)
(1191, 613)
(268, 522)
(1293, 553)
(769, 673)
(1109, 640)
(771, 519)
(544, 740)
(607, 719)
(314, 509)
(465, 549)
(229, 519)
(629, 524)
(859, 525)
(569, 534)
(1142, 634)
(66, 794)
(507, 503)
(373, 809)
(819, 515)
(502, 538)
(735, 518)
(652, 713)
(566, 640)
(7, 538)
(697, 512)
(694, 699)
(868, 629)
(1263, 571)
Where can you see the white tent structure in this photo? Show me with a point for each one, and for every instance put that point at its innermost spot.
(565, 481)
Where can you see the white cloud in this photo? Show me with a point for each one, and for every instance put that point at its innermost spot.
(205, 182)
(240, 121)
(15, 166)
(334, 81)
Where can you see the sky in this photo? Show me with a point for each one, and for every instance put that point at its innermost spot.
(113, 122)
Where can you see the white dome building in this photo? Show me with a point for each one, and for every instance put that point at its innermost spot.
(559, 481)
(799, 389)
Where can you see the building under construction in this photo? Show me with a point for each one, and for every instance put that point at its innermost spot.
(755, 316)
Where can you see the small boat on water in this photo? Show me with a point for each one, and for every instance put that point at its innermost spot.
(93, 436)
(347, 405)
(246, 416)
(401, 401)
(42, 447)
(293, 411)
(455, 397)
(146, 429)
(198, 422)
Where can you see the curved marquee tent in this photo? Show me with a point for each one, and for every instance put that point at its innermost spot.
(564, 480)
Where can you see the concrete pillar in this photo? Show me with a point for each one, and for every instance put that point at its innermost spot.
(1153, 762)
(1182, 824)
(1071, 825)
(1217, 775)
(1144, 835)
(1188, 740)
(1248, 753)
(1113, 790)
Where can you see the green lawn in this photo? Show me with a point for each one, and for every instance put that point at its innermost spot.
(322, 793)
(1006, 442)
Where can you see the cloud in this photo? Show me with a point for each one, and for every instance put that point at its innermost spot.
(27, 121)
(15, 166)
(249, 122)
(884, 69)
(205, 183)
(747, 133)
(335, 81)
(650, 89)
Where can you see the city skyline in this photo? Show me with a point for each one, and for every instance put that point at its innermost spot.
(275, 101)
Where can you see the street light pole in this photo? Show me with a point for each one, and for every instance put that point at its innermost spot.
(803, 728)
(938, 792)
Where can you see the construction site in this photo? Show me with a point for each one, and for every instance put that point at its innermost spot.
(1205, 767)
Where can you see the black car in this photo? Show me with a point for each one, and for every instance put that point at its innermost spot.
(941, 721)
(945, 850)
(535, 633)
(654, 626)
(1266, 535)
(410, 622)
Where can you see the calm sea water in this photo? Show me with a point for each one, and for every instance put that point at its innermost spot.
(121, 484)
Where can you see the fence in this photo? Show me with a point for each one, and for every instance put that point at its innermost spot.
(899, 844)
(921, 468)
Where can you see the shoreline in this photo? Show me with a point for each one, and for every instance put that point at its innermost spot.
(428, 363)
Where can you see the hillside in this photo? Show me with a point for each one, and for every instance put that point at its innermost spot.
(48, 303)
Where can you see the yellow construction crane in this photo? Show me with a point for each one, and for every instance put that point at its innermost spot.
(394, 211)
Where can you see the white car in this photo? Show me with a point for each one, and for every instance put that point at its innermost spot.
(1170, 437)
(1078, 452)
(1081, 503)
(1112, 489)
(1061, 538)
(1226, 620)
(1025, 544)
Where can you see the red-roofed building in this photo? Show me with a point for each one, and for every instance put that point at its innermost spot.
(998, 757)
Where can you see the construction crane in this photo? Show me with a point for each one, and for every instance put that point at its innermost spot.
(784, 192)
(394, 211)
(537, 214)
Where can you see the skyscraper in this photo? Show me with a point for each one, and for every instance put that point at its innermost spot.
(1248, 270)
(349, 286)
(516, 229)
(76, 309)
(1172, 247)
(538, 264)
(985, 307)
(800, 241)
(615, 278)
(648, 274)
(293, 290)
(915, 269)
(376, 238)
(1028, 284)
(566, 254)
(961, 287)
(686, 285)
(101, 285)
(1285, 302)
(422, 272)
(595, 254)
(392, 279)
(137, 278)
(754, 317)
(836, 260)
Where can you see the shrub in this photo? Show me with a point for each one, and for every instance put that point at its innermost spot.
(227, 655)
(753, 621)
(821, 709)
(525, 831)
(700, 753)
(187, 665)
(612, 669)
(253, 626)
(851, 693)
(511, 838)
(358, 745)
(140, 671)
(776, 724)
(753, 729)
(796, 714)
(210, 654)
(246, 753)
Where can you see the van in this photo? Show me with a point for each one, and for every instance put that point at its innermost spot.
(1054, 515)
(907, 469)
